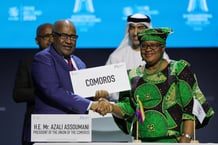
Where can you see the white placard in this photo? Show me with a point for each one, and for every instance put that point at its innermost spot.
(112, 78)
(61, 128)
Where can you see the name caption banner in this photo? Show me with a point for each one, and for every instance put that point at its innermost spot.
(61, 128)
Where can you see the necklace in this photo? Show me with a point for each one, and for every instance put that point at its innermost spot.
(156, 70)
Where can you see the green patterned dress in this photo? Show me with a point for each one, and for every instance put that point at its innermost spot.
(167, 98)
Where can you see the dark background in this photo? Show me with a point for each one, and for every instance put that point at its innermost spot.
(203, 60)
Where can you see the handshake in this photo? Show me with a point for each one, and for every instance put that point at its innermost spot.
(101, 104)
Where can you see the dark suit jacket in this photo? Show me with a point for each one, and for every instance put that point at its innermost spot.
(23, 92)
(23, 88)
(54, 92)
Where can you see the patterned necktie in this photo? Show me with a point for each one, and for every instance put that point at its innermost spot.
(70, 63)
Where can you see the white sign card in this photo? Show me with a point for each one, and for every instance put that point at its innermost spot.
(113, 78)
(61, 128)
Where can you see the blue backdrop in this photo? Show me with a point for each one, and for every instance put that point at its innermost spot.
(101, 24)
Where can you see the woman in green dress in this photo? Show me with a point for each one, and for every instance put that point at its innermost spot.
(166, 90)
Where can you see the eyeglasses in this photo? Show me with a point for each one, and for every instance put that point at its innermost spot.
(46, 36)
(64, 36)
(151, 46)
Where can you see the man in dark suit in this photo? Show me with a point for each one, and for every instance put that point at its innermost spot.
(50, 72)
(23, 89)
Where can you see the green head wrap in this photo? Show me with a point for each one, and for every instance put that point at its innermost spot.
(155, 34)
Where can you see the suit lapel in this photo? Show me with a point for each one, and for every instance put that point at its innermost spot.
(59, 59)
